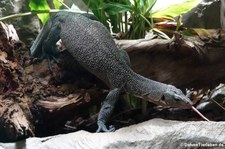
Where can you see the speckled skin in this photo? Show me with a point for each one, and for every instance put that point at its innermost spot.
(91, 44)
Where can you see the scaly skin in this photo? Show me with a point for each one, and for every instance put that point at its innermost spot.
(91, 44)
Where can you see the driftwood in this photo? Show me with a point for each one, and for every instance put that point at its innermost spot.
(35, 102)
(15, 114)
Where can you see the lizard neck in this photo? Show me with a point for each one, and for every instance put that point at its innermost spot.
(141, 86)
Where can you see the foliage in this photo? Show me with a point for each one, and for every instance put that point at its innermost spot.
(134, 17)
(140, 13)
(172, 11)
(57, 3)
(118, 12)
(43, 5)
(97, 8)
(40, 5)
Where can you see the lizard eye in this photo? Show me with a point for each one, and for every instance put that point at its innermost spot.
(177, 98)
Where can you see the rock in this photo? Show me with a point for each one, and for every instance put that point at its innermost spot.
(199, 16)
(156, 133)
(214, 103)
(27, 27)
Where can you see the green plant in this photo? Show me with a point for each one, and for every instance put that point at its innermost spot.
(140, 13)
(135, 14)
(174, 10)
(36, 5)
(96, 7)
(134, 17)
(123, 13)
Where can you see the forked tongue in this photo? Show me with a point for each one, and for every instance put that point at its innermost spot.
(199, 113)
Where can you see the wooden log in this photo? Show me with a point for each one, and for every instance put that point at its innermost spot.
(15, 113)
(14, 124)
(191, 62)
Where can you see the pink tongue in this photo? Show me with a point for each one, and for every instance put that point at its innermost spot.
(200, 114)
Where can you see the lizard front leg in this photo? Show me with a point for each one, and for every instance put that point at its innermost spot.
(107, 109)
(49, 48)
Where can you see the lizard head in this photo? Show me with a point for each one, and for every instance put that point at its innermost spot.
(174, 97)
(171, 96)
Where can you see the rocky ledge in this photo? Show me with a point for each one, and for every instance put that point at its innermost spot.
(156, 133)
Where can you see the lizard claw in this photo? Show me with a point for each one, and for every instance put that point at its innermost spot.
(49, 63)
(103, 128)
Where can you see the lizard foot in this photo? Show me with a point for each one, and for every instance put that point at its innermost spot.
(103, 128)
(37, 60)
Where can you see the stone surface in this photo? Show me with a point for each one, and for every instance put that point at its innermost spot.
(27, 27)
(214, 102)
(199, 16)
(156, 133)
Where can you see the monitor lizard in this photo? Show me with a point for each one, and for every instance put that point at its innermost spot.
(92, 46)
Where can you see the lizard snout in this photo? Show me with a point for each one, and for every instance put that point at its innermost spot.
(181, 101)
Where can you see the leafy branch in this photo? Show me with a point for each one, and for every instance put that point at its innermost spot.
(35, 12)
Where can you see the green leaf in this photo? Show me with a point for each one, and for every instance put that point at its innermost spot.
(115, 8)
(57, 4)
(40, 5)
(176, 9)
(96, 7)
(149, 5)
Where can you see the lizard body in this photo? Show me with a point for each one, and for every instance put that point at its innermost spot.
(91, 44)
